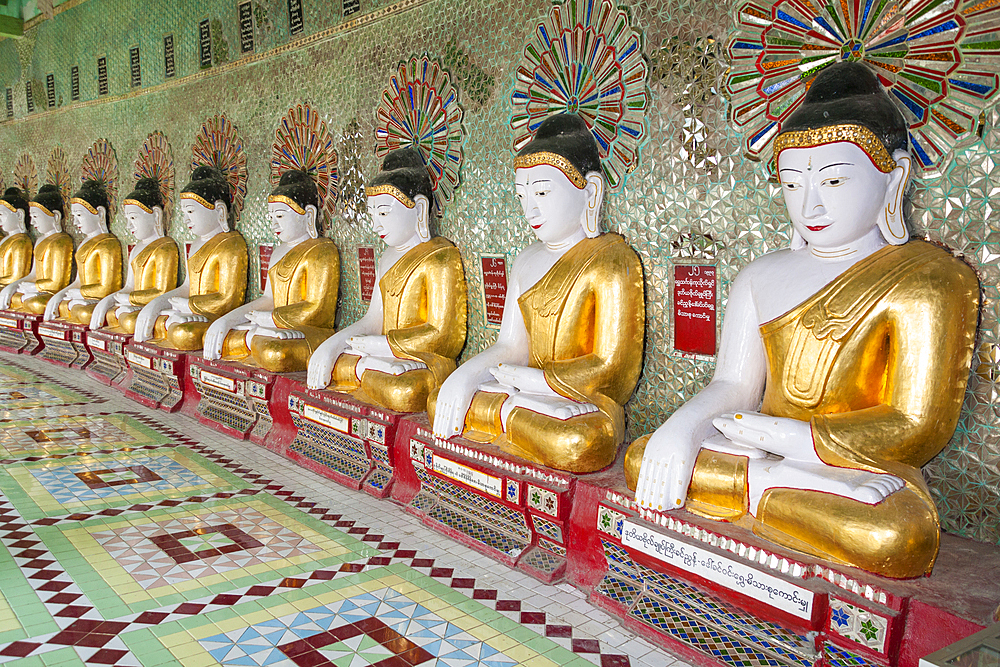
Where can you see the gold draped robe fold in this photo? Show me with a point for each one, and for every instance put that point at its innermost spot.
(586, 323)
(424, 319)
(305, 283)
(154, 272)
(15, 258)
(99, 269)
(217, 275)
(877, 361)
(53, 272)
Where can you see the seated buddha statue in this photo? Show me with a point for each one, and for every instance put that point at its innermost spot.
(406, 344)
(298, 308)
(843, 359)
(216, 269)
(16, 247)
(53, 254)
(569, 351)
(152, 262)
(98, 259)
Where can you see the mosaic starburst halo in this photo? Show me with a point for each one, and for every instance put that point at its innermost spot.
(57, 172)
(219, 144)
(156, 160)
(303, 141)
(420, 108)
(586, 58)
(101, 164)
(939, 61)
(26, 174)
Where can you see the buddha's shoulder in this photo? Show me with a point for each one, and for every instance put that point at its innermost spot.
(321, 247)
(230, 240)
(770, 265)
(947, 271)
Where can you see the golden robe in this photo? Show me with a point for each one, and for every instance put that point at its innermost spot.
(304, 283)
(154, 270)
(423, 317)
(53, 272)
(99, 268)
(15, 258)
(218, 281)
(877, 361)
(586, 323)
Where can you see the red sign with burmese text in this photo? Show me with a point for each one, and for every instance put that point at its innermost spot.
(494, 287)
(694, 309)
(366, 271)
(265, 250)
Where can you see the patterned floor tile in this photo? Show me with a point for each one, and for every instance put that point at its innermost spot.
(11, 374)
(365, 619)
(41, 394)
(22, 613)
(129, 565)
(58, 485)
(70, 433)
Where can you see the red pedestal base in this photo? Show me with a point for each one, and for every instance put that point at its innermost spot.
(19, 332)
(108, 351)
(159, 377)
(65, 343)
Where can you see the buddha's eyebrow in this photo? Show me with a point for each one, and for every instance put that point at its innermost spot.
(837, 164)
(542, 180)
(789, 169)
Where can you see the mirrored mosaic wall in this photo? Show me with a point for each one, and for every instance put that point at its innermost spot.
(692, 196)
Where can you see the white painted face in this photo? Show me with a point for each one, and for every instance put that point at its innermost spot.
(88, 223)
(200, 221)
(834, 194)
(139, 224)
(45, 224)
(553, 206)
(391, 220)
(289, 226)
(9, 221)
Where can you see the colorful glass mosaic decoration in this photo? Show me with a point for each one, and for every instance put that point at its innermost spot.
(218, 144)
(420, 108)
(939, 62)
(156, 160)
(101, 164)
(586, 58)
(303, 141)
(26, 174)
(57, 172)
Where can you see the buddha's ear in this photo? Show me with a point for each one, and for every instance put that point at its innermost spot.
(20, 221)
(57, 216)
(102, 217)
(594, 190)
(423, 209)
(222, 215)
(311, 215)
(158, 225)
(891, 221)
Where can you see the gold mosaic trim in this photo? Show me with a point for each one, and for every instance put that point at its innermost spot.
(8, 205)
(389, 189)
(136, 202)
(84, 203)
(553, 160)
(42, 209)
(282, 199)
(197, 198)
(858, 135)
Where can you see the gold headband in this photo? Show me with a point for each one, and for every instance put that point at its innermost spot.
(84, 203)
(858, 135)
(43, 209)
(8, 205)
(282, 199)
(553, 160)
(389, 189)
(136, 202)
(197, 198)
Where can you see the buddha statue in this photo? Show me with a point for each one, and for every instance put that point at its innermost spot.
(16, 247)
(843, 359)
(152, 262)
(98, 259)
(53, 253)
(216, 269)
(298, 308)
(569, 351)
(406, 344)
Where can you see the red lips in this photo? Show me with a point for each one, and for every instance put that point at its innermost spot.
(817, 228)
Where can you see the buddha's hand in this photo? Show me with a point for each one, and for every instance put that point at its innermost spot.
(280, 334)
(180, 304)
(391, 365)
(375, 346)
(28, 288)
(74, 295)
(176, 317)
(262, 318)
(523, 378)
(215, 337)
(788, 438)
(667, 466)
(453, 403)
(6, 294)
(121, 299)
(321, 362)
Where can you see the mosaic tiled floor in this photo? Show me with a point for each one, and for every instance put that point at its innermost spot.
(136, 538)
